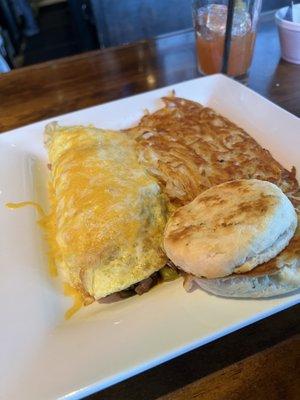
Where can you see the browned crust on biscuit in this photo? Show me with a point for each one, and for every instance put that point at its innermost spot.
(242, 212)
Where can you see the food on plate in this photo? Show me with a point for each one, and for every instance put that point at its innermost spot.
(232, 227)
(228, 237)
(191, 148)
(107, 212)
(111, 194)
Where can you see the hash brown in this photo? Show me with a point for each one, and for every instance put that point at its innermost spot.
(191, 148)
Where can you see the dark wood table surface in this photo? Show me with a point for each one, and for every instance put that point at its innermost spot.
(261, 361)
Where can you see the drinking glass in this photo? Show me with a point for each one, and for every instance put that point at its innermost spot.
(232, 55)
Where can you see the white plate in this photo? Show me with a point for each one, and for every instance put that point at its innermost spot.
(45, 357)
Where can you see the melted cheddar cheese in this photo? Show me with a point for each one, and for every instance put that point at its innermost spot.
(107, 214)
(46, 223)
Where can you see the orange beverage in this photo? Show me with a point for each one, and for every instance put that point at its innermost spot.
(210, 54)
(210, 18)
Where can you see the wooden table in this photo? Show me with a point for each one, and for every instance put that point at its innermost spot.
(258, 362)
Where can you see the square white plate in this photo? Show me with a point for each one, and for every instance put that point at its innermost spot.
(45, 357)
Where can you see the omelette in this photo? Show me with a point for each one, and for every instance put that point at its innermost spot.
(107, 213)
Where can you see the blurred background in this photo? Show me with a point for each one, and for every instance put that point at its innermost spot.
(34, 31)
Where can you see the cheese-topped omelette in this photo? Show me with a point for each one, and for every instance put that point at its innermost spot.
(107, 213)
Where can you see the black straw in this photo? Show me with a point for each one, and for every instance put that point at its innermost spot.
(227, 41)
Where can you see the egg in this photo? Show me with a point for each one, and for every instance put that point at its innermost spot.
(107, 213)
